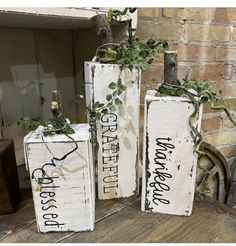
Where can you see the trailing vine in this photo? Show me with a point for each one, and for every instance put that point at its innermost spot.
(198, 92)
(128, 53)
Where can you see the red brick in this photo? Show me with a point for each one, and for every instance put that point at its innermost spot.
(222, 138)
(201, 14)
(231, 103)
(211, 72)
(182, 71)
(154, 74)
(158, 30)
(148, 12)
(227, 124)
(211, 124)
(225, 54)
(234, 34)
(168, 12)
(220, 33)
(227, 89)
(193, 53)
(227, 151)
(224, 15)
(200, 32)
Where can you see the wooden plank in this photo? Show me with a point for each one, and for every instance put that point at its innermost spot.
(12, 223)
(66, 199)
(231, 199)
(169, 161)
(118, 131)
(30, 235)
(208, 223)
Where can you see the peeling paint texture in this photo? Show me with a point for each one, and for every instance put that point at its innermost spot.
(117, 132)
(169, 164)
(66, 201)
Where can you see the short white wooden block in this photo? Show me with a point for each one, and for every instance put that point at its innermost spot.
(169, 163)
(117, 132)
(66, 201)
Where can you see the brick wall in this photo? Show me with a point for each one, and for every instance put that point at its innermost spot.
(206, 42)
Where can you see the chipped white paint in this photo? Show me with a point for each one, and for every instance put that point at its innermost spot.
(117, 132)
(169, 163)
(66, 201)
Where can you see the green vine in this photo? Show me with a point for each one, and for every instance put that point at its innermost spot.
(198, 92)
(128, 53)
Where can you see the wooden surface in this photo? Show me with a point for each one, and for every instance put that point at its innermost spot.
(66, 199)
(117, 131)
(169, 161)
(121, 221)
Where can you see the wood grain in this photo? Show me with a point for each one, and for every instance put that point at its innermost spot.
(30, 235)
(130, 225)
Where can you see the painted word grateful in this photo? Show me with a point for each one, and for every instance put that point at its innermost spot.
(110, 152)
(159, 185)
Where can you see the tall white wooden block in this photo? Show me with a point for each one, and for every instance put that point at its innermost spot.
(117, 132)
(169, 163)
(66, 200)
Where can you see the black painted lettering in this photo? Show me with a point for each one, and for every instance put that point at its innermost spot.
(108, 189)
(46, 194)
(53, 223)
(108, 139)
(49, 207)
(50, 216)
(110, 159)
(109, 118)
(113, 169)
(50, 200)
(159, 184)
(110, 179)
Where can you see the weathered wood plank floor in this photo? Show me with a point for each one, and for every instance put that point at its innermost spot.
(121, 221)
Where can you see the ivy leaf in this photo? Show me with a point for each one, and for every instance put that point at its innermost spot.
(144, 66)
(97, 115)
(118, 102)
(122, 87)
(105, 111)
(119, 91)
(119, 82)
(109, 97)
(112, 85)
(150, 61)
(96, 104)
(113, 108)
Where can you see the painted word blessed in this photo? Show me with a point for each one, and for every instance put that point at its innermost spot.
(48, 195)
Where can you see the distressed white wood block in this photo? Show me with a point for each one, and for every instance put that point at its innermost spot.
(66, 201)
(117, 132)
(169, 163)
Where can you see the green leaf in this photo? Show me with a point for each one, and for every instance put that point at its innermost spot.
(101, 105)
(118, 102)
(105, 111)
(119, 82)
(119, 91)
(96, 104)
(112, 85)
(144, 66)
(113, 108)
(122, 87)
(97, 115)
(109, 97)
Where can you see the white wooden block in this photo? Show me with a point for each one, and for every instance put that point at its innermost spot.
(169, 163)
(117, 132)
(66, 201)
